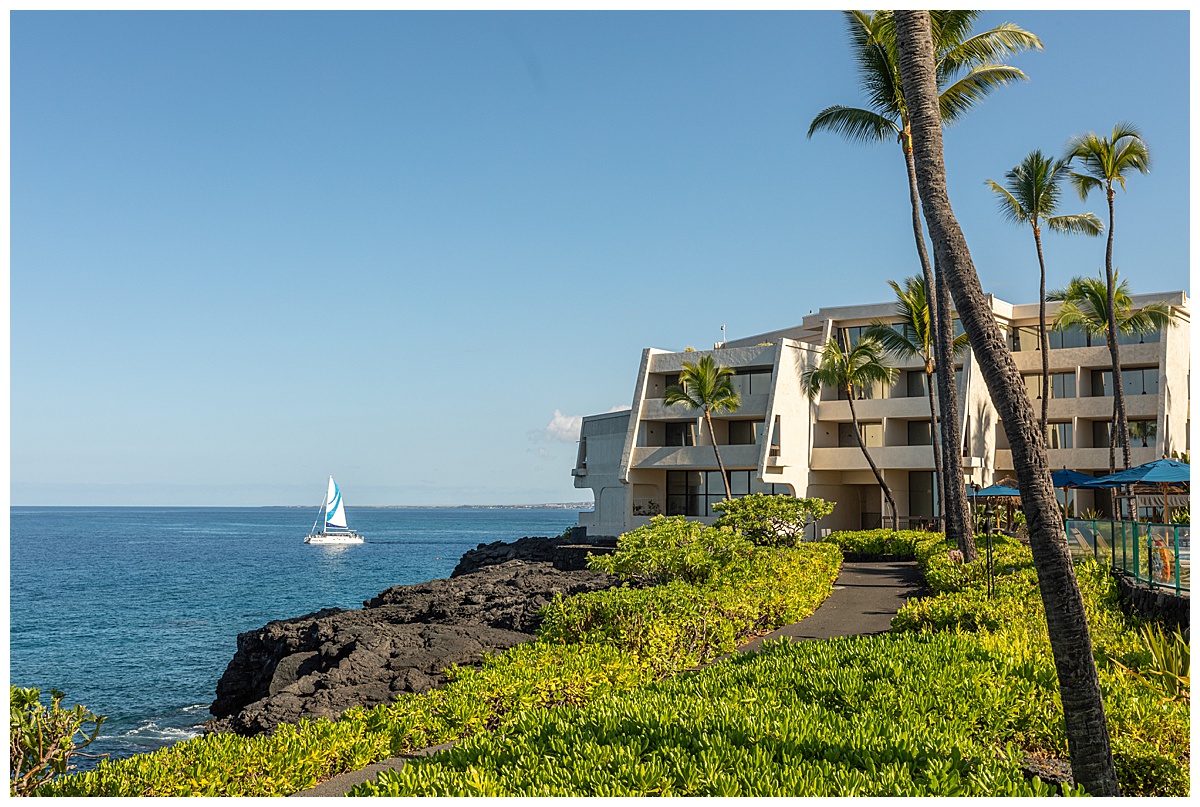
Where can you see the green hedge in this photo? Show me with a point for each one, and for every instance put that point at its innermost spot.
(878, 542)
(610, 641)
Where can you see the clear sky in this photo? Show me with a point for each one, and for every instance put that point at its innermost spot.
(249, 250)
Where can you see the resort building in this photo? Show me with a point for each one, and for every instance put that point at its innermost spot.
(654, 458)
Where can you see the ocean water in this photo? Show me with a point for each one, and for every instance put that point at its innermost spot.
(135, 611)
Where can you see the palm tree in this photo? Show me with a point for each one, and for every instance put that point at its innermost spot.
(968, 70)
(1104, 161)
(1031, 197)
(1143, 430)
(707, 386)
(1085, 302)
(1066, 621)
(915, 341)
(850, 371)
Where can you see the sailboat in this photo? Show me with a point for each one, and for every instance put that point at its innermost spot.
(335, 531)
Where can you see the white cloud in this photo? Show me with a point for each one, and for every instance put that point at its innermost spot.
(562, 428)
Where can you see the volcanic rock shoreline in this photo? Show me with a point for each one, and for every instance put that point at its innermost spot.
(401, 640)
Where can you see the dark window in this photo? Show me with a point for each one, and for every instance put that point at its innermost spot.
(1062, 435)
(693, 493)
(1139, 338)
(1143, 433)
(915, 380)
(744, 432)
(872, 435)
(1100, 433)
(752, 382)
(681, 433)
(920, 494)
(919, 433)
(1062, 385)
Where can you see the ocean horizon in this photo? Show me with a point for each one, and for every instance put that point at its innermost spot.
(134, 612)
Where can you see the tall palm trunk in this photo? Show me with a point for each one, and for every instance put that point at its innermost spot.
(1079, 684)
(1042, 335)
(957, 527)
(724, 476)
(958, 517)
(887, 493)
(933, 439)
(1120, 426)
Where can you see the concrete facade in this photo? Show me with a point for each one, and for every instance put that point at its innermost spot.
(655, 458)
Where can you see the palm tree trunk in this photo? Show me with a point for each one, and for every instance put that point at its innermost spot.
(958, 514)
(933, 439)
(933, 303)
(1045, 339)
(1120, 427)
(1079, 684)
(887, 493)
(721, 465)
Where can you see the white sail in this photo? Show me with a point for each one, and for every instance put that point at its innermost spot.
(335, 511)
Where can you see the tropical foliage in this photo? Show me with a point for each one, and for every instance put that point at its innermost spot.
(706, 386)
(42, 739)
(769, 520)
(1085, 304)
(1099, 162)
(1030, 196)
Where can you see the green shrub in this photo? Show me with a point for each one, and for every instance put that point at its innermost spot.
(879, 542)
(42, 739)
(771, 520)
(673, 548)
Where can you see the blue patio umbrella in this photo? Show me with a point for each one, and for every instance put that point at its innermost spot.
(998, 490)
(1066, 478)
(1160, 472)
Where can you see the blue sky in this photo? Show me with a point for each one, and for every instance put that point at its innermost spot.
(411, 249)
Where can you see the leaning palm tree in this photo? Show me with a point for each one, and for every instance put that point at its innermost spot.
(1030, 196)
(1085, 303)
(707, 386)
(1102, 162)
(1066, 620)
(968, 69)
(915, 340)
(851, 371)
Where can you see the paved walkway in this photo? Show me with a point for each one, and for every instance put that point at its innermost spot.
(865, 598)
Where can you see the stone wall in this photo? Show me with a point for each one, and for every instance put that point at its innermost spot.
(1157, 604)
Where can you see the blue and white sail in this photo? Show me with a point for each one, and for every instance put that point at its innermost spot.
(336, 531)
(335, 511)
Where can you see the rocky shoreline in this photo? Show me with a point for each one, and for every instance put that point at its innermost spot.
(401, 640)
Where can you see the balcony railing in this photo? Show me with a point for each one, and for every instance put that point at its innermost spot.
(1157, 554)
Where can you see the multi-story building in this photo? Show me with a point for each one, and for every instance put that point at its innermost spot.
(654, 458)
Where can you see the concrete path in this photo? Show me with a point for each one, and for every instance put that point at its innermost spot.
(865, 598)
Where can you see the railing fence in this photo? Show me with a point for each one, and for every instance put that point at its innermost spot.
(1157, 554)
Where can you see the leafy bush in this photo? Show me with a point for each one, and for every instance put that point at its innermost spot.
(673, 548)
(42, 739)
(771, 520)
(878, 542)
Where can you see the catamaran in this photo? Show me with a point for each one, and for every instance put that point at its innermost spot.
(335, 531)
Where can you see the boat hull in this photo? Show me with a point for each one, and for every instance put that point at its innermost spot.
(334, 538)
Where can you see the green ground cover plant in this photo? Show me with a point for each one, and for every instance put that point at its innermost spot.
(714, 589)
(878, 542)
(950, 703)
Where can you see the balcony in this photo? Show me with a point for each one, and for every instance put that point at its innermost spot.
(874, 409)
(916, 458)
(1079, 459)
(674, 457)
(655, 409)
(729, 357)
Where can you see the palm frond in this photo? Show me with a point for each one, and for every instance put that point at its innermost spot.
(856, 125)
(962, 96)
(984, 48)
(1010, 206)
(1078, 224)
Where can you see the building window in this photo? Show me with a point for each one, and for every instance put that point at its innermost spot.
(1136, 338)
(872, 435)
(877, 391)
(919, 433)
(745, 432)
(1062, 385)
(752, 382)
(681, 433)
(1143, 433)
(915, 381)
(921, 502)
(693, 493)
(1062, 435)
(1136, 380)
(1101, 432)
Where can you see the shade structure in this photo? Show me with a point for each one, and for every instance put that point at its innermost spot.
(997, 490)
(1067, 478)
(1160, 471)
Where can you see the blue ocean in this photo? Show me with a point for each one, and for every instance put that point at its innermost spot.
(135, 611)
